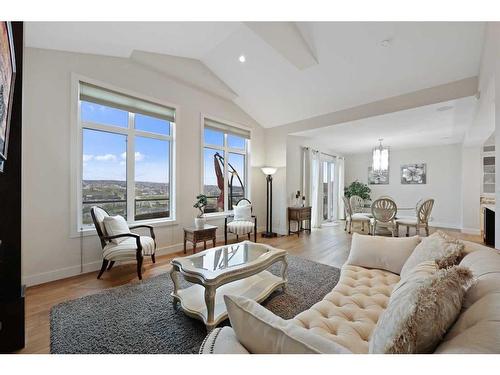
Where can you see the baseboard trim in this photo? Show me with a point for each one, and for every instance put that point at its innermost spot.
(473, 231)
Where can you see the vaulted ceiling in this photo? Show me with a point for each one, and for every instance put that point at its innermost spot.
(293, 71)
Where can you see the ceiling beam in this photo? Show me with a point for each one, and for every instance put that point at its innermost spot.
(287, 40)
(437, 94)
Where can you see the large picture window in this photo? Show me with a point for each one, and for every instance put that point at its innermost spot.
(225, 165)
(126, 156)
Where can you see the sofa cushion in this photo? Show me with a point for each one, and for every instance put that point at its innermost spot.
(477, 330)
(348, 314)
(262, 332)
(446, 251)
(384, 253)
(422, 307)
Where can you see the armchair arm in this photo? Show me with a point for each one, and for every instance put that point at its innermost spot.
(136, 236)
(150, 227)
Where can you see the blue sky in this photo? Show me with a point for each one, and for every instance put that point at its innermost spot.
(104, 154)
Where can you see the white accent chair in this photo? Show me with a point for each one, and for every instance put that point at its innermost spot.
(384, 212)
(357, 217)
(357, 204)
(133, 247)
(241, 227)
(424, 209)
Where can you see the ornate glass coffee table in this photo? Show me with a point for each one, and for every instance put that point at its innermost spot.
(238, 269)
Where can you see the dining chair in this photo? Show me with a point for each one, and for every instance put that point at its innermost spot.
(351, 217)
(384, 212)
(424, 210)
(357, 204)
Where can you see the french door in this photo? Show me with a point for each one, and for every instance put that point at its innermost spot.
(329, 191)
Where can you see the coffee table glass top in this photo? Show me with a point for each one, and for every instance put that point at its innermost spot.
(220, 260)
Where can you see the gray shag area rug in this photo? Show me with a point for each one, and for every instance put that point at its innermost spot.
(140, 317)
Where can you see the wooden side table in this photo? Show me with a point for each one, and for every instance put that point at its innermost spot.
(195, 235)
(299, 214)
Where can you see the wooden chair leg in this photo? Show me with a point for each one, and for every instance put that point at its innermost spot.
(139, 267)
(225, 235)
(111, 264)
(350, 227)
(427, 230)
(374, 228)
(345, 226)
(237, 238)
(407, 231)
(248, 236)
(153, 258)
(362, 226)
(103, 268)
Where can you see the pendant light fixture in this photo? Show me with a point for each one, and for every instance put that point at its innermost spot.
(380, 161)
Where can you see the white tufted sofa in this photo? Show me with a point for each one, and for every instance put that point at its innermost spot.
(349, 313)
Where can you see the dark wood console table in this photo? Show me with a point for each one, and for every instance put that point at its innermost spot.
(195, 235)
(299, 214)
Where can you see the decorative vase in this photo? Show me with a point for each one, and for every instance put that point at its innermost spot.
(199, 222)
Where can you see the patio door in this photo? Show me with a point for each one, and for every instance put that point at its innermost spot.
(329, 192)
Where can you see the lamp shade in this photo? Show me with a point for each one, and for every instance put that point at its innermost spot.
(268, 170)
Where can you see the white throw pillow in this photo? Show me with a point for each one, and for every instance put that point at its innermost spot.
(422, 307)
(385, 253)
(445, 250)
(262, 332)
(116, 225)
(243, 212)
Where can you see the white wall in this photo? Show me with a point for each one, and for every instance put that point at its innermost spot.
(48, 250)
(471, 189)
(444, 180)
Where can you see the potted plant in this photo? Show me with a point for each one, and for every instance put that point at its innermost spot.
(201, 202)
(359, 189)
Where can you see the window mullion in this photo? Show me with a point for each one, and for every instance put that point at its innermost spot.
(130, 169)
(226, 182)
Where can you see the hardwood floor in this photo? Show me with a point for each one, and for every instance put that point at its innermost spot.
(329, 245)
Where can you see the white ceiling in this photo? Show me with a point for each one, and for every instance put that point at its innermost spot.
(353, 68)
(437, 124)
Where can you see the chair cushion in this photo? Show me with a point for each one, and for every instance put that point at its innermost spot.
(381, 252)
(348, 314)
(439, 247)
(360, 217)
(262, 332)
(116, 225)
(422, 307)
(243, 211)
(240, 227)
(407, 220)
(126, 250)
(100, 214)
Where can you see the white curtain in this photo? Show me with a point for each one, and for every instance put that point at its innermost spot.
(306, 175)
(316, 189)
(339, 168)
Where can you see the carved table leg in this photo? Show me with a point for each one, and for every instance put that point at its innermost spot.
(173, 275)
(210, 302)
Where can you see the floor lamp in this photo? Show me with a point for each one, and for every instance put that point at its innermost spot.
(269, 171)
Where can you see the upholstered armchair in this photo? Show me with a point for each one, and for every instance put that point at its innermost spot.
(351, 217)
(124, 246)
(424, 209)
(357, 204)
(242, 222)
(384, 212)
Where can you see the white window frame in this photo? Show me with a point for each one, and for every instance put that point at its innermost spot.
(226, 150)
(77, 228)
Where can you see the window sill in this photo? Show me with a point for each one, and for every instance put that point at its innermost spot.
(90, 231)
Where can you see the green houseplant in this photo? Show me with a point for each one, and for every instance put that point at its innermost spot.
(200, 204)
(359, 189)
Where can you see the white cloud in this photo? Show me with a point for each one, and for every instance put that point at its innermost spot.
(138, 156)
(107, 157)
(123, 162)
(87, 157)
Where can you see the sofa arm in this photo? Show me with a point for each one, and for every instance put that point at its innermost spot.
(222, 341)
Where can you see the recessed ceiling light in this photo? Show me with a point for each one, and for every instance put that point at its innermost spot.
(444, 108)
(386, 43)
(242, 58)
